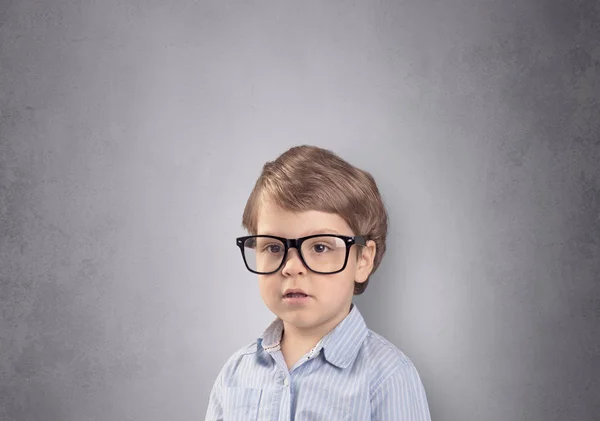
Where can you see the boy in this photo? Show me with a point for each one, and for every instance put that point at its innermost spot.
(318, 228)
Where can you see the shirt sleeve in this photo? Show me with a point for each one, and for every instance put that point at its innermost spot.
(214, 412)
(400, 397)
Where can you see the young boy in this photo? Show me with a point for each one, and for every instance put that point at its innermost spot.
(318, 228)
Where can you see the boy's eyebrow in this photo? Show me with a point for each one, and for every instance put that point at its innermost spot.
(312, 232)
(322, 231)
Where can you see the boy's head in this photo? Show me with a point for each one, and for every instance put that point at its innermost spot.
(305, 191)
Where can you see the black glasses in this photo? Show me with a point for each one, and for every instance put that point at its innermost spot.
(321, 253)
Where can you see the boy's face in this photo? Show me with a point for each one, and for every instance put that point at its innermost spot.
(329, 296)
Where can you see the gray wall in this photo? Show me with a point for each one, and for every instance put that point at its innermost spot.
(132, 132)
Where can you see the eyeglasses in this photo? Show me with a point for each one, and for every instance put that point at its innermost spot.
(322, 253)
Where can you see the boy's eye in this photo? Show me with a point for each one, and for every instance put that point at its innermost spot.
(320, 248)
(273, 248)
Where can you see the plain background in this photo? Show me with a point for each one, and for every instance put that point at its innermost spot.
(131, 133)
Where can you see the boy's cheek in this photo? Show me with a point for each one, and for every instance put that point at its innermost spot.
(269, 288)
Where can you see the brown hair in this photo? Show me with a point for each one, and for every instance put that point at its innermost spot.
(310, 178)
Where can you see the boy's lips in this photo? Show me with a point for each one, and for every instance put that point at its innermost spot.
(296, 299)
(295, 296)
(294, 291)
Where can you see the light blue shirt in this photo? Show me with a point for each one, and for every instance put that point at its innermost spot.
(351, 374)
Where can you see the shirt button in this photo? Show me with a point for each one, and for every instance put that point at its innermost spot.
(286, 382)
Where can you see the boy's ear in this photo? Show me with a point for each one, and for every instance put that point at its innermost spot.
(366, 258)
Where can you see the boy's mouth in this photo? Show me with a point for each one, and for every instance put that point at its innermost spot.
(295, 295)
(295, 298)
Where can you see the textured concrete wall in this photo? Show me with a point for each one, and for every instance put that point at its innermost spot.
(132, 132)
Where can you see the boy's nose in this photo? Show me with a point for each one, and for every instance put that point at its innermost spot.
(293, 264)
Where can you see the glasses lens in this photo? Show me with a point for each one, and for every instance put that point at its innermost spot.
(263, 254)
(324, 254)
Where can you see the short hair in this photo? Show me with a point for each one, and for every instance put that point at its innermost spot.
(308, 178)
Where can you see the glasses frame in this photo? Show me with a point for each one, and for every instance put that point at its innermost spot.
(296, 243)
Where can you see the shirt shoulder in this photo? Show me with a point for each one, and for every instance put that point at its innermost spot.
(383, 358)
(381, 350)
(242, 356)
(239, 354)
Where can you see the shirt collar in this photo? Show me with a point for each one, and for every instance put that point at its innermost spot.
(340, 346)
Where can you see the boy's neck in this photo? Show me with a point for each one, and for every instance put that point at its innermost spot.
(294, 336)
(296, 342)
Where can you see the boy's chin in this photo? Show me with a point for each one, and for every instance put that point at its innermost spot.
(300, 322)
(303, 319)
(295, 315)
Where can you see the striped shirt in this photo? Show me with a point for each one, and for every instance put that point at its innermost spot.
(351, 374)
